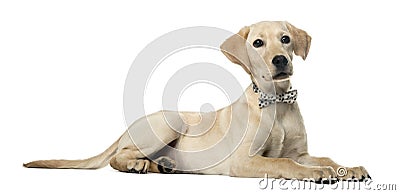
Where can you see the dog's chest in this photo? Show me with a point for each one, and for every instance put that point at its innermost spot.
(274, 144)
(282, 132)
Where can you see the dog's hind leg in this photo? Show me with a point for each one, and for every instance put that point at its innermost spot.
(131, 160)
(144, 138)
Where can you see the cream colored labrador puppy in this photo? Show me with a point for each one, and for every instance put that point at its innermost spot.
(262, 133)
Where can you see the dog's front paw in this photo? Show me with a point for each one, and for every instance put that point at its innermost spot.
(138, 166)
(324, 175)
(353, 173)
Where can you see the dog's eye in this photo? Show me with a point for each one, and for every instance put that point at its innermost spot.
(258, 43)
(285, 39)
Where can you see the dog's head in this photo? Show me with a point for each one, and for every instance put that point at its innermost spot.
(265, 50)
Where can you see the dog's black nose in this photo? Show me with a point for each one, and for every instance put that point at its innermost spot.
(280, 61)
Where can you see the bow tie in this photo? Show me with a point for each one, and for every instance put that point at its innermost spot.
(265, 100)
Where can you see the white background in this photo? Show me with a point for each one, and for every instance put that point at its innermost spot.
(63, 67)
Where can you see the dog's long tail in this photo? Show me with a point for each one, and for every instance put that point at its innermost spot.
(94, 162)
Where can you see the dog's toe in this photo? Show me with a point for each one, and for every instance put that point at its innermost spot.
(140, 166)
(326, 181)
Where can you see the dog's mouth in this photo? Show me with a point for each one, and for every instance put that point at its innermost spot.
(281, 75)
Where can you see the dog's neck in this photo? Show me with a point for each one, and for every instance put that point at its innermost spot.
(252, 98)
(282, 86)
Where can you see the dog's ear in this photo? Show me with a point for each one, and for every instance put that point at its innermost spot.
(234, 48)
(301, 40)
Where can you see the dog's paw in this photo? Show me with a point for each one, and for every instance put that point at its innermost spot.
(140, 166)
(165, 164)
(324, 175)
(353, 173)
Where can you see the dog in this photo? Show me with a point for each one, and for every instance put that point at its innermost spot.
(260, 133)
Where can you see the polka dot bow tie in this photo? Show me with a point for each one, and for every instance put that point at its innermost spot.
(265, 100)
